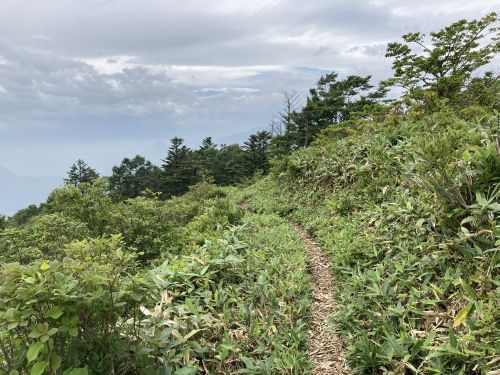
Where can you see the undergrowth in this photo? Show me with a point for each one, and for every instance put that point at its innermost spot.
(408, 214)
(185, 286)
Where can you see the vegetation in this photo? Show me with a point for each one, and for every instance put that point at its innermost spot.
(445, 66)
(412, 234)
(80, 173)
(167, 270)
(181, 286)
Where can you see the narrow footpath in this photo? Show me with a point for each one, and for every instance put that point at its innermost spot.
(326, 349)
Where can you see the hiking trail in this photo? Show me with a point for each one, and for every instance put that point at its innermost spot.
(326, 349)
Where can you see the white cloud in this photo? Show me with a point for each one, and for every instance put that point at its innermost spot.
(366, 50)
(134, 72)
(110, 64)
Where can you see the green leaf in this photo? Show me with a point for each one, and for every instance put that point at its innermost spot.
(77, 371)
(186, 371)
(33, 351)
(468, 290)
(73, 331)
(467, 220)
(248, 362)
(463, 314)
(11, 315)
(44, 266)
(269, 364)
(55, 361)
(38, 368)
(35, 333)
(52, 331)
(54, 313)
(453, 339)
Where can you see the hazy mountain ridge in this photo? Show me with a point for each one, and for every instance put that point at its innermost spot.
(17, 192)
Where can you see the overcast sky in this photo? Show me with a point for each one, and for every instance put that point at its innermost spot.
(102, 80)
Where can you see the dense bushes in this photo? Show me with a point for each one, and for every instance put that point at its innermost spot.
(44, 236)
(181, 286)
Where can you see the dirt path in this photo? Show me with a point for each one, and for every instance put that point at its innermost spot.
(326, 349)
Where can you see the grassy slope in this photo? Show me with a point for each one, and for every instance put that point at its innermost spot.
(408, 213)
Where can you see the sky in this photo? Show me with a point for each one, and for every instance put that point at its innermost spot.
(106, 79)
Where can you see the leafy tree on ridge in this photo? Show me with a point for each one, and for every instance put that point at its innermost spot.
(447, 63)
(133, 176)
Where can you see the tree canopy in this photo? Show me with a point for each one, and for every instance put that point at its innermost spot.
(445, 62)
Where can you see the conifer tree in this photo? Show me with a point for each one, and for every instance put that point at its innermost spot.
(179, 169)
(230, 166)
(132, 177)
(257, 152)
(79, 173)
(206, 157)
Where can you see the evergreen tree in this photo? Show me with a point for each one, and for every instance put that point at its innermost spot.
(257, 152)
(206, 157)
(179, 169)
(133, 176)
(79, 173)
(332, 101)
(230, 166)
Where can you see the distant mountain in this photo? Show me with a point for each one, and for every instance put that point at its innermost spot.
(17, 192)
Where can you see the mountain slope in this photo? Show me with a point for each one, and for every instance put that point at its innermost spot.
(17, 192)
(407, 211)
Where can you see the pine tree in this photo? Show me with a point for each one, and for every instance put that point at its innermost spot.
(332, 101)
(230, 165)
(257, 152)
(80, 173)
(206, 157)
(179, 169)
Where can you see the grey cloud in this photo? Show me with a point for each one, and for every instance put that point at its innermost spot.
(106, 79)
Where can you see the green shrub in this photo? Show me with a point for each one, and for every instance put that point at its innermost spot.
(218, 304)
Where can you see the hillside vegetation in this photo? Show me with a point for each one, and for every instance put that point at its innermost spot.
(182, 286)
(408, 212)
(171, 271)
